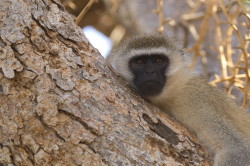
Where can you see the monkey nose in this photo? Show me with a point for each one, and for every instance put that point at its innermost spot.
(150, 71)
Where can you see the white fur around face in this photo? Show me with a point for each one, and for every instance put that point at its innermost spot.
(176, 60)
(121, 57)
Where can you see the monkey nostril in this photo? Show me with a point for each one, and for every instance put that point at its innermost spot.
(150, 71)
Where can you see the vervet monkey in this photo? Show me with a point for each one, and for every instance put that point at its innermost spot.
(155, 66)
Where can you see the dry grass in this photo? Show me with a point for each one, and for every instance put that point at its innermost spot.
(232, 24)
(84, 11)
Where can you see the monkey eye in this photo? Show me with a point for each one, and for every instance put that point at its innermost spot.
(140, 61)
(159, 60)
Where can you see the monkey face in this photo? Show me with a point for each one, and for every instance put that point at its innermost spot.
(149, 73)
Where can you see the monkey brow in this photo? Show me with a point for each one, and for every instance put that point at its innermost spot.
(150, 42)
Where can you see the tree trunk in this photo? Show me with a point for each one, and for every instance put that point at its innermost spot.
(60, 104)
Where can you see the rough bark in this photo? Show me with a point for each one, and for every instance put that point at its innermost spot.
(60, 104)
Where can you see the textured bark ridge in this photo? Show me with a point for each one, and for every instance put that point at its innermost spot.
(60, 104)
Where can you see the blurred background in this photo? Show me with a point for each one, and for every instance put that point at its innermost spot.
(97, 23)
(214, 33)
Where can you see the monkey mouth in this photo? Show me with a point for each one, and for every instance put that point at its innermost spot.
(150, 88)
(150, 84)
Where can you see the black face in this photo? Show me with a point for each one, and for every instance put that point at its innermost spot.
(149, 73)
